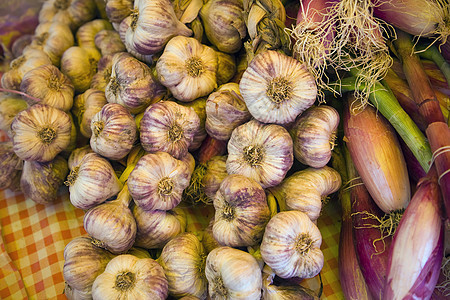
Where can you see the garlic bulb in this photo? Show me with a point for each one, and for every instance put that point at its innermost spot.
(92, 182)
(241, 212)
(226, 67)
(117, 10)
(87, 32)
(71, 12)
(104, 68)
(155, 228)
(291, 245)
(129, 277)
(74, 294)
(216, 172)
(132, 84)
(40, 182)
(123, 28)
(314, 134)
(277, 88)
(283, 291)
(109, 42)
(83, 262)
(77, 155)
(48, 84)
(40, 132)
(158, 181)
(169, 127)
(153, 24)
(305, 190)
(53, 38)
(111, 224)
(225, 110)
(113, 131)
(187, 68)
(20, 44)
(183, 260)
(30, 59)
(10, 165)
(224, 24)
(78, 64)
(10, 106)
(198, 105)
(233, 274)
(262, 152)
(86, 106)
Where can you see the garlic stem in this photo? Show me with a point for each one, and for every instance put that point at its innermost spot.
(19, 93)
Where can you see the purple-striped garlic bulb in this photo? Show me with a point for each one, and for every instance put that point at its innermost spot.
(153, 24)
(123, 28)
(277, 88)
(198, 105)
(225, 110)
(155, 228)
(86, 106)
(109, 42)
(117, 10)
(158, 181)
(71, 12)
(114, 131)
(314, 134)
(241, 212)
(262, 152)
(291, 245)
(92, 181)
(132, 84)
(169, 127)
(77, 155)
(104, 68)
(187, 68)
(41, 132)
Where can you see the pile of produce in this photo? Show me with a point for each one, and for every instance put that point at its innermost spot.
(263, 111)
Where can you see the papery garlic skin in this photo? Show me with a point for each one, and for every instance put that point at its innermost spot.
(109, 42)
(262, 152)
(169, 127)
(77, 155)
(53, 38)
(224, 24)
(87, 32)
(129, 277)
(155, 228)
(277, 88)
(117, 10)
(226, 67)
(92, 182)
(198, 105)
(233, 274)
(225, 110)
(187, 68)
(48, 84)
(10, 165)
(123, 28)
(112, 224)
(78, 64)
(183, 260)
(71, 12)
(241, 212)
(158, 181)
(40, 182)
(314, 134)
(104, 68)
(114, 131)
(305, 190)
(153, 24)
(216, 172)
(291, 245)
(10, 106)
(86, 106)
(131, 84)
(41, 132)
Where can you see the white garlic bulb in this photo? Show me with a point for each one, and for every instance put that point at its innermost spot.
(48, 84)
(277, 88)
(241, 212)
(233, 274)
(113, 131)
(158, 181)
(153, 24)
(262, 152)
(92, 182)
(314, 134)
(305, 190)
(187, 68)
(86, 106)
(183, 259)
(225, 110)
(41, 132)
(291, 245)
(131, 84)
(155, 228)
(169, 127)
